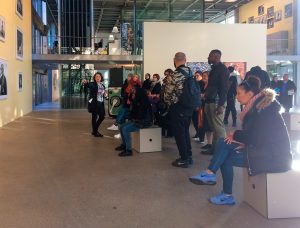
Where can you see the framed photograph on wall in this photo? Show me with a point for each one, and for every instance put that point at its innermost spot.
(270, 12)
(257, 20)
(250, 20)
(278, 15)
(3, 79)
(270, 23)
(261, 10)
(288, 10)
(19, 43)
(19, 8)
(20, 81)
(263, 19)
(2, 29)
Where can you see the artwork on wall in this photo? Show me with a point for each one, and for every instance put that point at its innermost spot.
(3, 79)
(20, 81)
(270, 12)
(263, 19)
(19, 8)
(251, 20)
(288, 10)
(270, 23)
(239, 67)
(257, 20)
(2, 28)
(261, 10)
(19, 48)
(278, 15)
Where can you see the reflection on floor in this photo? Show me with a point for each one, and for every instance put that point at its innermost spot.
(55, 174)
(47, 106)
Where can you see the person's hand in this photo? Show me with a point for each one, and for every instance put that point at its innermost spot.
(84, 81)
(220, 110)
(240, 146)
(229, 138)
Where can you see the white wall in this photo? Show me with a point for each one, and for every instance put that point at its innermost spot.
(238, 43)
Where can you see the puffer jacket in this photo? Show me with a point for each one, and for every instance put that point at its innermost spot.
(265, 136)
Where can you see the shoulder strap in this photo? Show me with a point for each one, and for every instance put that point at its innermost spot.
(184, 72)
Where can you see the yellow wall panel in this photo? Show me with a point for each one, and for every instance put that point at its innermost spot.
(17, 103)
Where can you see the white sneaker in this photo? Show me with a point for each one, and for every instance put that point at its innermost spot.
(117, 136)
(113, 128)
(196, 139)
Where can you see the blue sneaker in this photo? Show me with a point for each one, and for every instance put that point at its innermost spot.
(203, 178)
(222, 199)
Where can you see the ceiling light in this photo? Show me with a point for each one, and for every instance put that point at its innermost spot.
(111, 38)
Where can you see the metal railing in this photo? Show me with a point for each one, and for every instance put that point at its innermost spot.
(84, 46)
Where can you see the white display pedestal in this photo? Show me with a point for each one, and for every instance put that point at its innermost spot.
(274, 195)
(147, 140)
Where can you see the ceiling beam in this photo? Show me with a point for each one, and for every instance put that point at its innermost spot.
(145, 8)
(99, 20)
(189, 6)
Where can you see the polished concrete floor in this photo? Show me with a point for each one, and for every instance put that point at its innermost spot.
(53, 173)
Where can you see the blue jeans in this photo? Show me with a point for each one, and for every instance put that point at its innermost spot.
(125, 130)
(122, 115)
(225, 157)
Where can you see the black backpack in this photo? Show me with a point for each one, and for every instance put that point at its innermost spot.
(190, 97)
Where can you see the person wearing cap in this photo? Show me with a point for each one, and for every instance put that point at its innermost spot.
(180, 117)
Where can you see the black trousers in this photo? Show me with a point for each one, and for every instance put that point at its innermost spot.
(180, 129)
(98, 116)
(195, 121)
(230, 108)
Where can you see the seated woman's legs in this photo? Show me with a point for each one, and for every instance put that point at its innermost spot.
(125, 130)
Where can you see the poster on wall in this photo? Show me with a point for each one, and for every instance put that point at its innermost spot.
(20, 81)
(250, 20)
(257, 20)
(263, 19)
(19, 8)
(2, 29)
(270, 23)
(3, 79)
(288, 10)
(239, 67)
(19, 48)
(261, 10)
(278, 15)
(270, 12)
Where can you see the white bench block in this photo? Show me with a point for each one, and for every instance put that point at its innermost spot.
(274, 195)
(146, 140)
(295, 122)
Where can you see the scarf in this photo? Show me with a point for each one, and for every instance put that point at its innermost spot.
(248, 106)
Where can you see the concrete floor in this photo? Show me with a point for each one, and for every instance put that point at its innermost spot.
(53, 173)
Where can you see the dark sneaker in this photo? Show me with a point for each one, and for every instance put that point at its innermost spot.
(120, 148)
(207, 152)
(97, 134)
(233, 124)
(225, 122)
(203, 178)
(181, 163)
(190, 160)
(206, 147)
(125, 153)
(222, 199)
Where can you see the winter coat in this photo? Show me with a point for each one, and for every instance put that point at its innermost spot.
(284, 98)
(265, 137)
(93, 86)
(217, 84)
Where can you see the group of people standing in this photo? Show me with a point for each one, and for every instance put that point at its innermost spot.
(285, 90)
(261, 145)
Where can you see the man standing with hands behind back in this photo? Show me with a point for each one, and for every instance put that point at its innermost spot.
(215, 97)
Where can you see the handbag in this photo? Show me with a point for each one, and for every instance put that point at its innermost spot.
(90, 106)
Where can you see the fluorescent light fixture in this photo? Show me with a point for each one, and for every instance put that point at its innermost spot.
(115, 29)
(230, 0)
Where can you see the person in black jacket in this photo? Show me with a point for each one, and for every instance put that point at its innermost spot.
(96, 98)
(263, 144)
(154, 96)
(140, 117)
(261, 74)
(147, 82)
(287, 91)
(215, 97)
(230, 107)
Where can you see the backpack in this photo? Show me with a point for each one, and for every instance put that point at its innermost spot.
(190, 97)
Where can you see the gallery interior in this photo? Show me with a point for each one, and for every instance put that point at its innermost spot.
(55, 174)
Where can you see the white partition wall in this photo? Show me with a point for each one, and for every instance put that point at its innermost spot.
(238, 43)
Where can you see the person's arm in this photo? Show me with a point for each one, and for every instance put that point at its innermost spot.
(222, 90)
